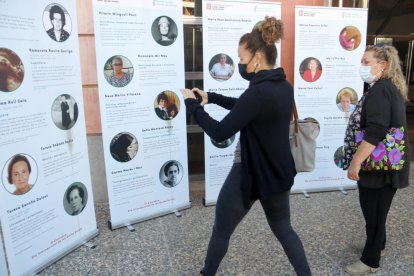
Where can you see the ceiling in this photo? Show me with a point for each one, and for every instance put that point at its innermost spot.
(391, 17)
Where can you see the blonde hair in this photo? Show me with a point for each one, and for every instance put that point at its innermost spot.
(346, 92)
(392, 70)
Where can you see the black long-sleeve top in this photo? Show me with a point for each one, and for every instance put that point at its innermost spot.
(262, 114)
(383, 109)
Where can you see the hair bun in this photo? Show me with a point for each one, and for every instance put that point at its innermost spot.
(271, 29)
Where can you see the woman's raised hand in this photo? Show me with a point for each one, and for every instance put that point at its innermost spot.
(187, 93)
(202, 94)
(195, 93)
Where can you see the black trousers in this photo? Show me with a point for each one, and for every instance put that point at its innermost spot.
(375, 204)
(229, 213)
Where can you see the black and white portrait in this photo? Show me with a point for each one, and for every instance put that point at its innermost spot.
(171, 173)
(65, 111)
(124, 147)
(75, 198)
(57, 22)
(164, 30)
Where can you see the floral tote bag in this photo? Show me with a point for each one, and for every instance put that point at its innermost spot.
(388, 155)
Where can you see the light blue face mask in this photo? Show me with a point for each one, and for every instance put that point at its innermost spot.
(366, 75)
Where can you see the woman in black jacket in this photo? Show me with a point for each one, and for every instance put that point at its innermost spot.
(263, 167)
(381, 108)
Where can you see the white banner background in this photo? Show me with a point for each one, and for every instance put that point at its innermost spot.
(317, 35)
(3, 265)
(224, 22)
(136, 183)
(42, 119)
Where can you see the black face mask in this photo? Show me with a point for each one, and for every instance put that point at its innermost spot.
(243, 71)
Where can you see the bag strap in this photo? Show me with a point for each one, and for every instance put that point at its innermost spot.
(295, 122)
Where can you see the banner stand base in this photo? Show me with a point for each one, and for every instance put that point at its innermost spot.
(177, 214)
(120, 224)
(130, 227)
(305, 194)
(342, 190)
(89, 244)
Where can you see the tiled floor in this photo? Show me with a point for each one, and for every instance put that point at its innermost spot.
(330, 225)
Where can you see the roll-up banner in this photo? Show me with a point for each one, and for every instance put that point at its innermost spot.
(46, 194)
(140, 61)
(224, 22)
(3, 264)
(329, 44)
